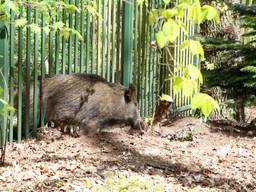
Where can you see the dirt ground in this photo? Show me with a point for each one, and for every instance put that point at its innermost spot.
(213, 161)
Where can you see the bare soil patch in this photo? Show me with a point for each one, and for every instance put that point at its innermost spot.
(213, 161)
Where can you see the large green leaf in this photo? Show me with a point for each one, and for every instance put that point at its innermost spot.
(199, 49)
(5, 107)
(185, 44)
(187, 86)
(151, 18)
(205, 103)
(195, 13)
(169, 13)
(166, 1)
(194, 47)
(185, 1)
(193, 72)
(210, 13)
(171, 30)
(183, 27)
(181, 7)
(161, 39)
(177, 84)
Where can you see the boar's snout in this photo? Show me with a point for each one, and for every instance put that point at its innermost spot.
(132, 109)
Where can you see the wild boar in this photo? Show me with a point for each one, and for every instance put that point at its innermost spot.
(87, 101)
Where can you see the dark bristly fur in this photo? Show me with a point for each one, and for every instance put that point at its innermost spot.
(88, 101)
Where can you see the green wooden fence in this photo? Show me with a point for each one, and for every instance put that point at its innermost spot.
(116, 44)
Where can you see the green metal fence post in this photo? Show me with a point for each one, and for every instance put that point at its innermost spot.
(3, 77)
(70, 41)
(35, 90)
(43, 50)
(28, 79)
(20, 78)
(11, 75)
(127, 42)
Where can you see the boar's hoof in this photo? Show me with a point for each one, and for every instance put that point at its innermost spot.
(50, 124)
(143, 126)
(139, 128)
(72, 130)
(140, 125)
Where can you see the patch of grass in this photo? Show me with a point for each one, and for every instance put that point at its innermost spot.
(119, 183)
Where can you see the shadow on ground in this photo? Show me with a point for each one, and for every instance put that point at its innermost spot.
(139, 162)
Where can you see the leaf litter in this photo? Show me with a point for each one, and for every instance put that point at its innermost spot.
(118, 161)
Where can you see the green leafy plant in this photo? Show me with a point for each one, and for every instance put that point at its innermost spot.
(168, 22)
(48, 8)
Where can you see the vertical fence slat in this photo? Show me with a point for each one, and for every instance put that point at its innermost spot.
(11, 86)
(76, 37)
(35, 94)
(20, 79)
(151, 64)
(149, 68)
(108, 38)
(28, 51)
(154, 80)
(4, 67)
(50, 54)
(70, 42)
(93, 45)
(64, 44)
(189, 26)
(99, 37)
(88, 24)
(183, 55)
(82, 42)
(143, 56)
(139, 49)
(113, 54)
(135, 65)
(43, 41)
(103, 67)
(127, 42)
(118, 40)
(57, 47)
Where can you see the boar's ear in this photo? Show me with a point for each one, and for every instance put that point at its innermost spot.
(130, 94)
